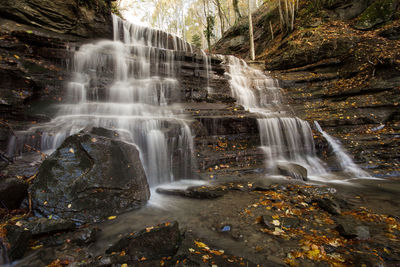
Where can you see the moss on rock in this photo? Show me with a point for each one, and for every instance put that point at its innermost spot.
(379, 12)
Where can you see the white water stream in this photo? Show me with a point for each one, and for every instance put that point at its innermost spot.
(346, 163)
(128, 85)
(284, 138)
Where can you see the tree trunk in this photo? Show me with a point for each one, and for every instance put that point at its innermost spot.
(237, 11)
(252, 53)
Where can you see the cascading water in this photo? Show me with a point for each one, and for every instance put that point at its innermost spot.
(345, 162)
(127, 85)
(284, 138)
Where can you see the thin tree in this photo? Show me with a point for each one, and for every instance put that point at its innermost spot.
(237, 11)
(252, 53)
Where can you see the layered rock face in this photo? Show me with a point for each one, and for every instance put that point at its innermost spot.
(36, 43)
(88, 19)
(340, 67)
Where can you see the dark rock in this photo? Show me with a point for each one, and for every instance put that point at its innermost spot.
(84, 236)
(377, 13)
(12, 192)
(391, 33)
(152, 243)
(199, 192)
(350, 229)
(186, 256)
(347, 9)
(4, 260)
(40, 226)
(266, 220)
(293, 170)
(329, 205)
(90, 19)
(88, 178)
(290, 222)
(18, 238)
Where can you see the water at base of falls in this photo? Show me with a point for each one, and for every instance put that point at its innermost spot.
(284, 138)
(126, 85)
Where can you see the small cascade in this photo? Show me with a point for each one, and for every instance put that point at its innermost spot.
(284, 138)
(207, 67)
(128, 85)
(344, 160)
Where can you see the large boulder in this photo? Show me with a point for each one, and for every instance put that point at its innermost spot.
(90, 177)
(88, 19)
(379, 12)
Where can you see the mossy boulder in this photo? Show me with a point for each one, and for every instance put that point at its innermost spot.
(379, 12)
(90, 177)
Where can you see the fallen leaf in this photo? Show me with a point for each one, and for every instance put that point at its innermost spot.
(112, 217)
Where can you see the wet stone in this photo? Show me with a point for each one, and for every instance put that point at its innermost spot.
(90, 177)
(18, 238)
(293, 170)
(290, 222)
(3, 254)
(151, 243)
(329, 205)
(198, 192)
(350, 229)
(40, 226)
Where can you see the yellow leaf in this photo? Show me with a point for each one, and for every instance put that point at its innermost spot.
(17, 57)
(36, 247)
(276, 222)
(124, 265)
(112, 217)
(200, 244)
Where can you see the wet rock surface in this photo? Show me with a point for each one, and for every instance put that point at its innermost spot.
(12, 192)
(41, 226)
(88, 178)
(152, 243)
(201, 192)
(18, 240)
(293, 170)
(280, 225)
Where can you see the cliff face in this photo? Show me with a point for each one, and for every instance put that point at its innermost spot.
(36, 38)
(341, 67)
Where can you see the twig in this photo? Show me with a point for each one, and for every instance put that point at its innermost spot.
(36, 150)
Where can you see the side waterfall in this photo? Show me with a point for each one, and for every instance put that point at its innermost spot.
(344, 160)
(284, 138)
(128, 85)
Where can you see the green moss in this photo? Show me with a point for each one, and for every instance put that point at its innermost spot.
(377, 13)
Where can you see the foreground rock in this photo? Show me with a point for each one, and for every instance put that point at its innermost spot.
(90, 177)
(152, 243)
(293, 170)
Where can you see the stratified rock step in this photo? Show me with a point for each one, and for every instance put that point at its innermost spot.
(198, 192)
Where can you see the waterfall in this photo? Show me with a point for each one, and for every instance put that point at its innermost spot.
(344, 160)
(284, 138)
(127, 85)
